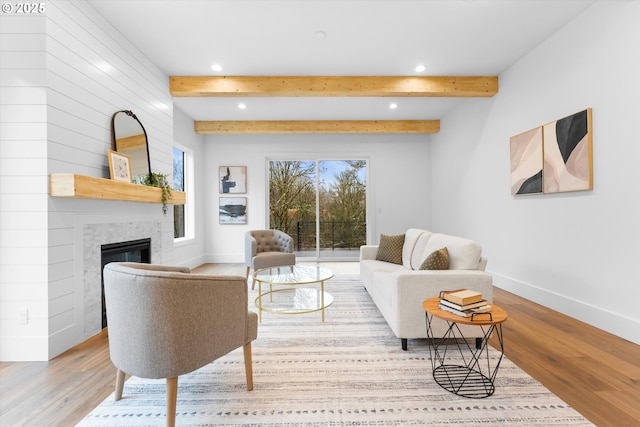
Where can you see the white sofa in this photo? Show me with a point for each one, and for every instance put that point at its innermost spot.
(398, 290)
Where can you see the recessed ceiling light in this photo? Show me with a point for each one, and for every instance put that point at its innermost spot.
(393, 105)
(420, 68)
(216, 67)
(242, 106)
(320, 35)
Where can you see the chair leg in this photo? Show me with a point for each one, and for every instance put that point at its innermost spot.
(172, 396)
(248, 366)
(253, 284)
(247, 274)
(119, 384)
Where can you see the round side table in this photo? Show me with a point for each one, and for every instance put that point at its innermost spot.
(473, 373)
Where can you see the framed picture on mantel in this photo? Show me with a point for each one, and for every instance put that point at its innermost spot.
(119, 166)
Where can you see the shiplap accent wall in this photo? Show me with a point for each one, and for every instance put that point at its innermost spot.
(23, 185)
(66, 74)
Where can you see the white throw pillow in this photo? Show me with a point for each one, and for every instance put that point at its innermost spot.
(464, 254)
(410, 238)
(418, 251)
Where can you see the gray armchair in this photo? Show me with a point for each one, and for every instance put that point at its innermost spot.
(267, 248)
(164, 322)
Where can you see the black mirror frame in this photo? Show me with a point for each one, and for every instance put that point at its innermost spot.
(114, 145)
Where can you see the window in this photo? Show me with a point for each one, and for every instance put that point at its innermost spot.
(321, 204)
(182, 178)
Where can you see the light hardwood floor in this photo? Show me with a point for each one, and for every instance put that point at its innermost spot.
(595, 372)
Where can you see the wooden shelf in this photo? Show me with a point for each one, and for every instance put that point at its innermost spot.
(89, 187)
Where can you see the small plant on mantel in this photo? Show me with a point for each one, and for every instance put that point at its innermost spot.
(159, 180)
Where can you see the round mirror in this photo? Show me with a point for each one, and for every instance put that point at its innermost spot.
(129, 137)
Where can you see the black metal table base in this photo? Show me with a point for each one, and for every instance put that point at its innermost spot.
(463, 381)
(475, 377)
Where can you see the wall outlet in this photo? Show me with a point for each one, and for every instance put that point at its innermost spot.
(23, 316)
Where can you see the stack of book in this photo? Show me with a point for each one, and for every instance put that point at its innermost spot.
(463, 302)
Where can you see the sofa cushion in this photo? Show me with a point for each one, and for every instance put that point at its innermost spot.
(464, 254)
(418, 251)
(411, 237)
(390, 248)
(370, 266)
(437, 260)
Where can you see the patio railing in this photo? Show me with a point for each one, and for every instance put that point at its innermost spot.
(333, 235)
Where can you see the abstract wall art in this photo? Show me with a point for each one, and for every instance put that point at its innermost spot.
(568, 154)
(233, 179)
(526, 162)
(554, 158)
(232, 210)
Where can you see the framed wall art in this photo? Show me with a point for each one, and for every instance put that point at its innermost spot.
(555, 157)
(233, 210)
(119, 166)
(233, 179)
(526, 162)
(568, 154)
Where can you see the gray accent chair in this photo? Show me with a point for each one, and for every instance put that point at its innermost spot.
(164, 322)
(267, 248)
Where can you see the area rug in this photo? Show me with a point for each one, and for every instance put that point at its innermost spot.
(348, 371)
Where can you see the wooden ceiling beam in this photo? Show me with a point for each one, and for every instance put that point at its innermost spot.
(338, 86)
(316, 126)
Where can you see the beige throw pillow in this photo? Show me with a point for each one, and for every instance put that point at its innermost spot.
(437, 260)
(390, 248)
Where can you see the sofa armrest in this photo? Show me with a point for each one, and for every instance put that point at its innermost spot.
(406, 315)
(423, 284)
(368, 252)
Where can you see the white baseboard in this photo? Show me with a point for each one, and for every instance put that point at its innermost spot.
(24, 349)
(598, 317)
(193, 262)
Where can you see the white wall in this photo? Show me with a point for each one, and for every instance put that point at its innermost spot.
(574, 252)
(398, 180)
(63, 76)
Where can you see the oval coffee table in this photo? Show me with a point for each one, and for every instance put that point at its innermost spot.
(293, 297)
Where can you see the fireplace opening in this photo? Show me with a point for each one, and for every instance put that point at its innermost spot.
(131, 251)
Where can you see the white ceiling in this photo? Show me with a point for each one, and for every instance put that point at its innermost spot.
(363, 37)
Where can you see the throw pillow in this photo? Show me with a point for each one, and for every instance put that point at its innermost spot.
(437, 260)
(390, 248)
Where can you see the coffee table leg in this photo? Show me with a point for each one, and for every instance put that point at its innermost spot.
(260, 299)
(322, 298)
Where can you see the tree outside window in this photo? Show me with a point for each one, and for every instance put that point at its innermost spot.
(178, 184)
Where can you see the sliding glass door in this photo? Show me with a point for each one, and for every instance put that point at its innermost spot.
(342, 208)
(321, 204)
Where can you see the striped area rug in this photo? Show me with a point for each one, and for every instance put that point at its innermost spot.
(348, 371)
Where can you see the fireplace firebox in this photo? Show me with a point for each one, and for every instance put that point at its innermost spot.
(131, 251)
